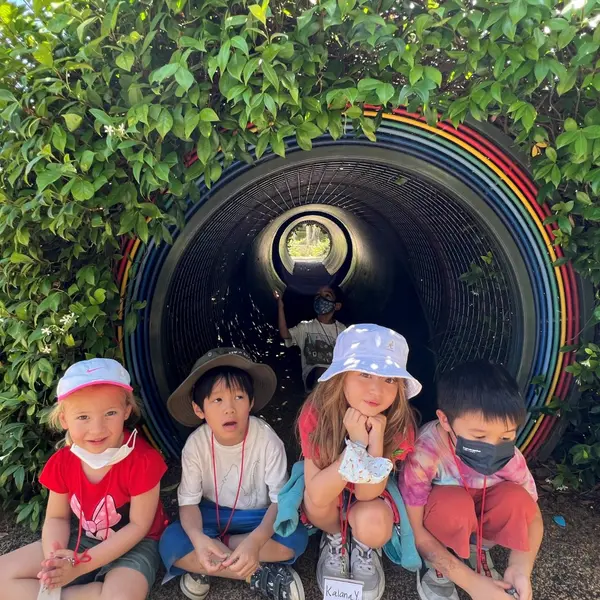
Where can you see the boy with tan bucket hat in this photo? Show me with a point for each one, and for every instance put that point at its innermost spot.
(233, 467)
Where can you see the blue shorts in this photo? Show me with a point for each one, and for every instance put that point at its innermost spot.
(175, 543)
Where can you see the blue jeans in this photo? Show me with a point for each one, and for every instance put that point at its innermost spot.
(175, 543)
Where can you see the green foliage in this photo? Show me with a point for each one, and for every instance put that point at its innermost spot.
(102, 101)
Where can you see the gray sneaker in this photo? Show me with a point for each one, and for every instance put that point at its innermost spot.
(487, 565)
(434, 586)
(277, 582)
(333, 559)
(194, 586)
(365, 566)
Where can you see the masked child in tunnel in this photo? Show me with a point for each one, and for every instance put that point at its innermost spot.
(233, 467)
(315, 338)
(467, 487)
(361, 402)
(108, 477)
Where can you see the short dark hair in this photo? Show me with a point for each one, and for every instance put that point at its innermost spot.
(338, 293)
(483, 388)
(233, 378)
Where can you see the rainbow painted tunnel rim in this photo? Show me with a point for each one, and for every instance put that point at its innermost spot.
(480, 164)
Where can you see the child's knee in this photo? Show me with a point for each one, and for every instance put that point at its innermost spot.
(513, 500)
(372, 522)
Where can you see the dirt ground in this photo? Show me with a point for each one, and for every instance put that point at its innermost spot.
(567, 568)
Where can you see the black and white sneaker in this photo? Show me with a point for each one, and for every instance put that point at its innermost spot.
(277, 582)
(194, 586)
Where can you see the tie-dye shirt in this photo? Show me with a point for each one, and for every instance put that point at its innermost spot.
(432, 463)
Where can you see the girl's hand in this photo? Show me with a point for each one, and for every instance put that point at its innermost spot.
(59, 570)
(277, 296)
(356, 426)
(244, 559)
(376, 428)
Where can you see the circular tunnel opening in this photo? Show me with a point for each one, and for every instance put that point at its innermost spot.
(412, 247)
(308, 242)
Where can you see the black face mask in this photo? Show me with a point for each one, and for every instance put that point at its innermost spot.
(323, 306)
(483, 457)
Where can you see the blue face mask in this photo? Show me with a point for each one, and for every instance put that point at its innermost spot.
(323, 306)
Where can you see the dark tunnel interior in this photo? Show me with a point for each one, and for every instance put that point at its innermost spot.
(412, 249)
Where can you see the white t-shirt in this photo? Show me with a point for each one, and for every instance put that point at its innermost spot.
(316, 341)
(265, 468)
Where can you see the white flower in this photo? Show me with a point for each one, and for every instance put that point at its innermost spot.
(46, 331)
(67, 319)
(121, 129)
(109, 129)
(46, 349)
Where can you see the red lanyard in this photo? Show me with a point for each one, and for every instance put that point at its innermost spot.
(479, 534)
(237, 495)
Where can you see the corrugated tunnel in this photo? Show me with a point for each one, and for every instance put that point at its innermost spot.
(432, 234)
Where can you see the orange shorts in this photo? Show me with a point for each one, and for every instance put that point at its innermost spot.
(452, 513)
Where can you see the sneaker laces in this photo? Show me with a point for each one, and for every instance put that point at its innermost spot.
(485, 567)
(335, 552)
(273, 581)
(363, 561)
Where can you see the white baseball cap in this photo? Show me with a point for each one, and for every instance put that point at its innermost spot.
(96, 371)
(372, 349)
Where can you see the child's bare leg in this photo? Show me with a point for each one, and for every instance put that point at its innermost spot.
(89, 591)
(326, 518)
(18, 573)
(371, 522)
(272, 551)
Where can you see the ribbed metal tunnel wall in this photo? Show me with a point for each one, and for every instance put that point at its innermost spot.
(422, 207)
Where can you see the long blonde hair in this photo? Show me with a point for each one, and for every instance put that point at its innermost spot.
(53, 418)
(329, 402)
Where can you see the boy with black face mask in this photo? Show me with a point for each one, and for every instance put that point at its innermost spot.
(467, 487)
(315, 338)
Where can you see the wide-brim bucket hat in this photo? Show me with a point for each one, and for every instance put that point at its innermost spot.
(373, 349)
(263, 377)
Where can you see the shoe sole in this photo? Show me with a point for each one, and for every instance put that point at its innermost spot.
(299, 586)
(188, 593)
(420, 589)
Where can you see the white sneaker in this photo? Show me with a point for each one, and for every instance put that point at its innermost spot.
(434, 586)
(365, 566)
(487, 565)
(333, 559)
(194, 586)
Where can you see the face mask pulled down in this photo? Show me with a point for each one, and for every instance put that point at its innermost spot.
(323, 306)
(483, 457)
(111, 456)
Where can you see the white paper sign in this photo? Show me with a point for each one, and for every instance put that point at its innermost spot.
(342, 589)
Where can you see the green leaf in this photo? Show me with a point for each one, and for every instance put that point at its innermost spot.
(164, 123)
(368, 127)
(566, 36)
(43, 54)
(592, 132)
(184, 78)
(125, 60)
(59, 137)
(259, 12)
(72, 121)
(385, 92)
(271, 75)
(354, 112)
(204, 150)
(209, 115)
(434, 74)
(161, 74)
(517, 10)
(564, 223)
(142, 229)
(190, 121)
(100, 295)
(240, 43)
(43, 180)
(51, 303)
(18, 258)
(223, 56)
(87, 158)
(110, 20)
(130, 323)
(277, 145)
(346, 6)
(567, 83)
(82, 189)
(416, 73)
(309, 130)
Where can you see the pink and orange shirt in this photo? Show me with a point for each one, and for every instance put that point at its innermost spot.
(432, 463)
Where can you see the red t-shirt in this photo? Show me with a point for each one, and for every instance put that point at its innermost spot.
(103, 507)
(307, 423)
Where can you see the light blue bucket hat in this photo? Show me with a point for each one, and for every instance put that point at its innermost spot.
(372, 349)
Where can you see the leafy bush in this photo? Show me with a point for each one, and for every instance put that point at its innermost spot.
(102, 102)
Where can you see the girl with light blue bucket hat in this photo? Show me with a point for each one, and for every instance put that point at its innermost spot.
(353, 428)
